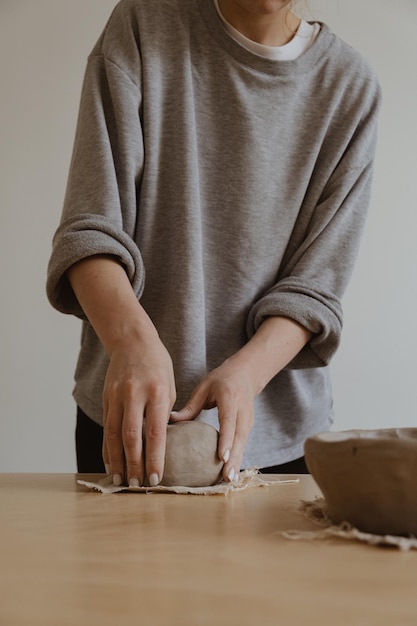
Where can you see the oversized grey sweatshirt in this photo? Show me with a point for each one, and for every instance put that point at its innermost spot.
(231, 188)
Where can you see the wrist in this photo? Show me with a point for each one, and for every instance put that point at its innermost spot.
(128, 329)
(276, 342)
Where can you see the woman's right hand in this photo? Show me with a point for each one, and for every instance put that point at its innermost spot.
(139, 387)
(138, 395)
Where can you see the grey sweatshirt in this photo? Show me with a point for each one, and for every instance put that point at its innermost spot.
(231, 188)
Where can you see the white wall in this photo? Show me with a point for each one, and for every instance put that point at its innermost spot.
(375, 372)
(43, 48)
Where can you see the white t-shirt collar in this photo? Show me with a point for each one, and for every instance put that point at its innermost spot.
(302, 40)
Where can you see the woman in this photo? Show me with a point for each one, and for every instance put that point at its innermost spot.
(217, 194)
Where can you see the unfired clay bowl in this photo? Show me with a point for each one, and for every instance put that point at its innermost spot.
(368, 478)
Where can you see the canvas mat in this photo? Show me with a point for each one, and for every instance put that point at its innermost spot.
(316, 511)
(247, 479)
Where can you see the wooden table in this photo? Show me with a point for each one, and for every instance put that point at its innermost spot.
(73, 556)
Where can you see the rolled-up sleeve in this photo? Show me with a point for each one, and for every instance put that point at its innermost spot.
(100, 209)
(317, 270)
(81, 237)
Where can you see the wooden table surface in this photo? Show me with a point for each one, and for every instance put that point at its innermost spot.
(73, 556)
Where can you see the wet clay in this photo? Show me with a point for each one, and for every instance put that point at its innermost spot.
(368, 478)
(191, 455)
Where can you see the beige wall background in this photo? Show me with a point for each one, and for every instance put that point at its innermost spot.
(43, 49)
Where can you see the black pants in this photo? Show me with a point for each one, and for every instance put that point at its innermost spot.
(88, 445)
(89, 441)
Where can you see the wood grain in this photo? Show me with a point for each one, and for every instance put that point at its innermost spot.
(73, 556)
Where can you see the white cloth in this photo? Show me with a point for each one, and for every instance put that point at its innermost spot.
(247, 478)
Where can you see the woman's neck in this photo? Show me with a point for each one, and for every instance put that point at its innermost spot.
(268, 22)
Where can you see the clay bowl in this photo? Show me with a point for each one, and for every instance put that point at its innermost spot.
(368, 478)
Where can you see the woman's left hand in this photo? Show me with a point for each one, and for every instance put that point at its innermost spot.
(229, 388)
(233, 386)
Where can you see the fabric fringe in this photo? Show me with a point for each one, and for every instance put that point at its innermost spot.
(247, 479)
(316, 511)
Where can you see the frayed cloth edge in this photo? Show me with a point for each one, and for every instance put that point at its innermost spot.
(247, 479)
(316, 511)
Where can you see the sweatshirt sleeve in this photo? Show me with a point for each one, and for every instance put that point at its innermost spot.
(322, 251)
(100, 207)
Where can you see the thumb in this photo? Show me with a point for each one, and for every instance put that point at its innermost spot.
(192, 409)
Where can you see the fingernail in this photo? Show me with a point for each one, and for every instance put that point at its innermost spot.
(134, 482)
(236, 478)
(174, 413)
(117, 480)
(226, 456)
(107, 468)
(231, 475)
(153, 480)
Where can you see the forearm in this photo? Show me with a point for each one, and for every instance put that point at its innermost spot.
(104, 292)
(277, 341)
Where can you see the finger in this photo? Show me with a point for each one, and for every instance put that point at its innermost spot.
(157, 416)
(197, 402)
(227, 414)
(227, 421)
(113, 443)
(105, 456)
(243, 425)
(132, 437)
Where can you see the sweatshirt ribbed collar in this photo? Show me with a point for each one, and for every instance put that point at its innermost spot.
(305, 63)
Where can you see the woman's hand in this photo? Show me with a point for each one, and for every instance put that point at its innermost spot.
(232, 390)
(233, 386)
(138, 395)
(140, 383)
